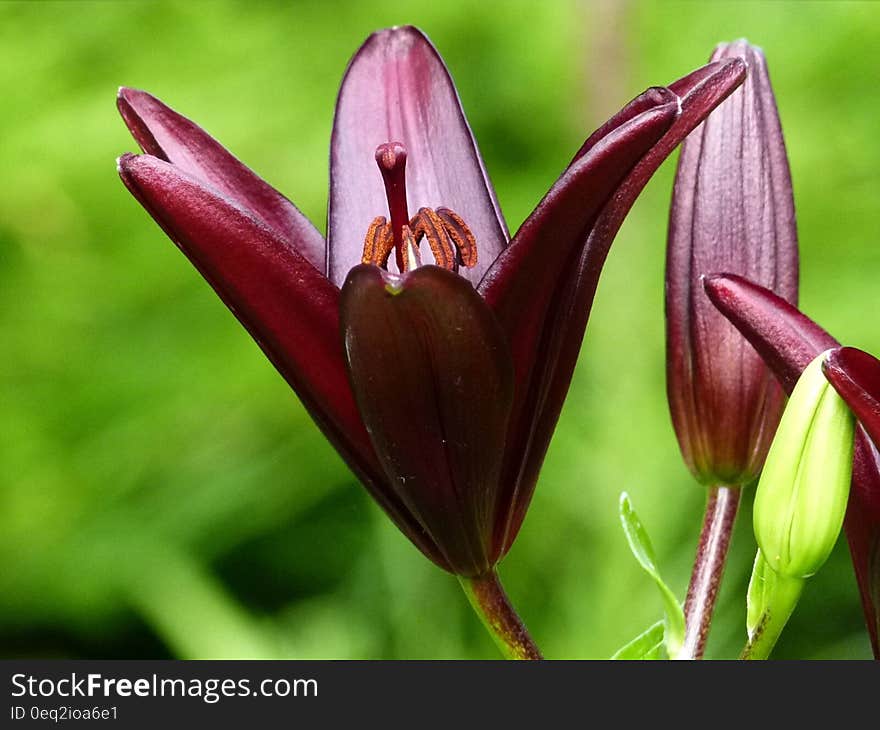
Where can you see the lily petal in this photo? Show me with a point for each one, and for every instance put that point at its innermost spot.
(862, 527)
(649, 99)
(397, 89)
(522, 282)
(569, 311)
(785, 338)
(788, 341)
(856, 376)
(287, 305)
(163, 133)
(434, 382)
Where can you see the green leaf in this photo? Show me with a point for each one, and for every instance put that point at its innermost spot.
(646, 645)
(641, 547)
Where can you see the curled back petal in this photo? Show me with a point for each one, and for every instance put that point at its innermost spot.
(782, 335)
(163, 133)
(856, 376)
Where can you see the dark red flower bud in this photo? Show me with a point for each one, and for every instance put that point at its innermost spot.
(732, 210)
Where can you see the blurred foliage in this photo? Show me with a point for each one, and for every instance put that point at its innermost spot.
(164, 494)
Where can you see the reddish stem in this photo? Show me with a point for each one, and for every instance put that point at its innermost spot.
(709, 564)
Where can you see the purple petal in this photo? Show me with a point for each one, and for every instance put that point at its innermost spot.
(788, 341)
(434, 383)
(567, 316)
(856, 376)
(862, 528)
(712, 78)
(288, 307)
(649, 99)
(397, 89)
(732, 210)
(163, 133)
(523, 280)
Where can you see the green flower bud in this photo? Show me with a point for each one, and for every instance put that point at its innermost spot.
(801, 497)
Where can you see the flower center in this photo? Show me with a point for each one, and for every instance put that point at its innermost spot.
(449, 238)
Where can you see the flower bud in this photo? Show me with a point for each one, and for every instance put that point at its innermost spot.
(802, 495)
(732, 211)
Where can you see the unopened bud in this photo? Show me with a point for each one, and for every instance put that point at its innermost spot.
(802, 495)
(732, 211)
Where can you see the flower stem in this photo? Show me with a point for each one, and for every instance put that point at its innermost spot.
(721, 508)
(499, 617)
(786, 593)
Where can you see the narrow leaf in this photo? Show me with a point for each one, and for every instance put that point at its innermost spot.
(646, 645)
(643, 550)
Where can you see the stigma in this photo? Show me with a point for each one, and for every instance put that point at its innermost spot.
(450, 240)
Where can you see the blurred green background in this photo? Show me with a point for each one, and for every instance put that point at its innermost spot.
(163, 493)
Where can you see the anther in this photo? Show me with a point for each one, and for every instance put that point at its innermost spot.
(451, 241)
(430, 225)
(378, 242)
(461, 236)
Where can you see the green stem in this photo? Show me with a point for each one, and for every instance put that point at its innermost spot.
(785, 594)
(499, 617)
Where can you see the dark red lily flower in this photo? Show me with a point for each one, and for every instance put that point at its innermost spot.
(443, 392)
(788, 341)
(732, 210)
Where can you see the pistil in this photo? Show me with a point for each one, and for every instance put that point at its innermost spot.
(391, 158)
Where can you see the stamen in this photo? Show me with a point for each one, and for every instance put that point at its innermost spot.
(378, 242)
(461, 236)
(430, 225)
